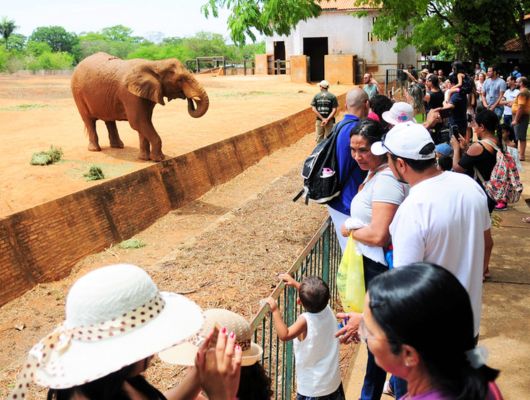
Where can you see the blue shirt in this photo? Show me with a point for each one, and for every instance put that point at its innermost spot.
(459, 101)
(350, 174)
(492, 88)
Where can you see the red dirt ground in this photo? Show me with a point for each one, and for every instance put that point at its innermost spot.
(38, 111)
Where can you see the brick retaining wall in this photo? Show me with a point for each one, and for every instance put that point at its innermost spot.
(43, 243)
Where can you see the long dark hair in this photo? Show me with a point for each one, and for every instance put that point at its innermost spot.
(425, 306)
(109, 387)
(254, 383)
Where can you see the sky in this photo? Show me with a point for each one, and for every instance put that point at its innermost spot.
(146, 17)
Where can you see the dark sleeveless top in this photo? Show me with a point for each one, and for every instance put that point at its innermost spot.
(484, 163)
(436, 100)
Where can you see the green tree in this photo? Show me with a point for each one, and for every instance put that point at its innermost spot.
(264, 16)
(17, 42)
(7, 27)
(116, 40)
(56, 37)
(461, 28)
(120, 33)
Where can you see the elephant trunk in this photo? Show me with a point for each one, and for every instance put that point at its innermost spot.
(197, 106)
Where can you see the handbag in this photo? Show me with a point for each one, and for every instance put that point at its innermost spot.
(350, 278)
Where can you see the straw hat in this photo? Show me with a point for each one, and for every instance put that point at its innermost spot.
(184, 354)
(115, 316)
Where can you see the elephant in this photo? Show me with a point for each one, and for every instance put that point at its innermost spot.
(111, 89)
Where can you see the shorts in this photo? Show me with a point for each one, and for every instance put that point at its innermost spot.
(521, 128)
(336, 395)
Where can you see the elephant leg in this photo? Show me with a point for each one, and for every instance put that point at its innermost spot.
(93, 142)
(142, 123)
(114, 137)
(144, 148)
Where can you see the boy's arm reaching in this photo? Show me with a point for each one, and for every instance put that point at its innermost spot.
(289, 281)
(286, 333)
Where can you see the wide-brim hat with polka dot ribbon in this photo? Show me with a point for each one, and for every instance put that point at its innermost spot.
(115, 316)
(184, 354)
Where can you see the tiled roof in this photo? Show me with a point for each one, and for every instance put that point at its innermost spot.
(515, 45)
(344, 5)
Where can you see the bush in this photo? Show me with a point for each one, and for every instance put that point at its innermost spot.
(48, 61)
(47, 157)
(131, 244)
(4, 58)
(94, 174)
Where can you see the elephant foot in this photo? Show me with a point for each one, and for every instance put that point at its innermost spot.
(143, 156)
(94, 147)
(157, 157)
(117, 145)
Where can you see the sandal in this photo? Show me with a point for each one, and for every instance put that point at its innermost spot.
(526, 220)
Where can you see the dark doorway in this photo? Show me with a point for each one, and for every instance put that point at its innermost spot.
(279, 54)
(316, 49)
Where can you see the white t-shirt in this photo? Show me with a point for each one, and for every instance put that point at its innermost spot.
(382, 188)
(442, 221)
(317, 356)
(510, 95)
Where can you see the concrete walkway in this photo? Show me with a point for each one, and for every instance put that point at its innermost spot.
(505, 324)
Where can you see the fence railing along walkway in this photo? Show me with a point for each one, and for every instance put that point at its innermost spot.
(321, 257)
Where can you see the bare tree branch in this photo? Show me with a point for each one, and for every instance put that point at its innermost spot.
(434, 10)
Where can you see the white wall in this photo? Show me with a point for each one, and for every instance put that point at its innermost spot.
(346, 35)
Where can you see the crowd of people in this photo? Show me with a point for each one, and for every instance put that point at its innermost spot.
(424, 233)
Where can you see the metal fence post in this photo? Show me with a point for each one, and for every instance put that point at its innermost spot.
(325, 256)
(290, 316)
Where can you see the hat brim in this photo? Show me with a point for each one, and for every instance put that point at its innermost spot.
(184, 354)
(84, 361)
(378, 149)
(387, 116)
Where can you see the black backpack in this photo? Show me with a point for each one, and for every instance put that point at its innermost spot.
(320, 169)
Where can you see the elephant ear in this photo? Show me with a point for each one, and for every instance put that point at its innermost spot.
(144, 82)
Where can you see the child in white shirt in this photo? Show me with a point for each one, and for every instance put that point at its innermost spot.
(316, 348)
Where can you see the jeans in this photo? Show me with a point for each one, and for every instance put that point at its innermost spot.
(374, 377)
(399, 386)
(336, 395)
(374, 380)
(499, 111)
(507, 119)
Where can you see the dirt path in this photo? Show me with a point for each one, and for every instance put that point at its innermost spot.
(38, 111)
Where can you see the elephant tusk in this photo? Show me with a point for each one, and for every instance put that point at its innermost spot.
(196, 98)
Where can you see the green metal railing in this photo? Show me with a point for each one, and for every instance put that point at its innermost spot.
(321, 257)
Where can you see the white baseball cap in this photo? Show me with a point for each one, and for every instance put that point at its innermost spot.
(406, 140)
(324, 84)
(399, 112)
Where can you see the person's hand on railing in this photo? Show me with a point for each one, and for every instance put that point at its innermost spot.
(349, 333)
(289, 280)
(271, 302)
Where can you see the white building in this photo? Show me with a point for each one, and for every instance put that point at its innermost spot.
(337, 31)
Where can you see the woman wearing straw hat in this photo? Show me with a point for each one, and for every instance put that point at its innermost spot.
(116, 320)
(254, 384)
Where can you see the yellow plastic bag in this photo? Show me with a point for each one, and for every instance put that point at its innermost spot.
(350, 278)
